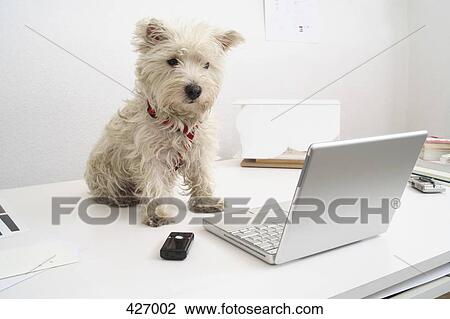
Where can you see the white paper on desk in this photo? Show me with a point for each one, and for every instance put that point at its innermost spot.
(424, 278)
(292, 20)
(35, 257)
(9, 282)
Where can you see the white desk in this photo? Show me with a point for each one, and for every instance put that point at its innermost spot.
(121, 260)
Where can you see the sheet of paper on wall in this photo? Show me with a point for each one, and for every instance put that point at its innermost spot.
(292, 20)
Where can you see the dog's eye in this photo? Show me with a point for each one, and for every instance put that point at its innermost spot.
(206, 66)
(173, 62)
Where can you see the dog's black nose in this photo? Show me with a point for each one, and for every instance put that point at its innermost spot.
(193, 91)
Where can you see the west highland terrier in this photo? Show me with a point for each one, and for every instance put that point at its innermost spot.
(165, 130)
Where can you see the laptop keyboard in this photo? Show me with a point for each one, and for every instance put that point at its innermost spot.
(265, 237)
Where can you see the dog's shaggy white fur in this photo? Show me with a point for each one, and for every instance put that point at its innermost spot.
(140, 156)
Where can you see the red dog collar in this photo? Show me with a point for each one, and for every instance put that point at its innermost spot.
(189, 134)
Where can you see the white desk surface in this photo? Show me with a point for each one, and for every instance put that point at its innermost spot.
(122, 261)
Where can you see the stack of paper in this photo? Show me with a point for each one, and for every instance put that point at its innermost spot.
(278, 132)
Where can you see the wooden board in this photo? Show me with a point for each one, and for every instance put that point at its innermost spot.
(272, 163)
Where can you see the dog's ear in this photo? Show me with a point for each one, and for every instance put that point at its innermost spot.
(149, 32)
(229, 39)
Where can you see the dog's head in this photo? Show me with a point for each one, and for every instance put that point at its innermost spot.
(180, 68)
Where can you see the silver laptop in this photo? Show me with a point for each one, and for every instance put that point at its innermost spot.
(347, 192)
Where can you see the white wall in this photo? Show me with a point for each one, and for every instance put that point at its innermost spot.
(429, 67)
(53, 107)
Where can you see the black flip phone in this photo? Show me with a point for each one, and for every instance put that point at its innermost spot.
(176, 246)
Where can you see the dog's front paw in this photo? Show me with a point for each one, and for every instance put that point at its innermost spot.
(206, 204)
(156, 221)
(162, 215)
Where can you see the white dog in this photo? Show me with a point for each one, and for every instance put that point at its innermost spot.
(165, 129)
